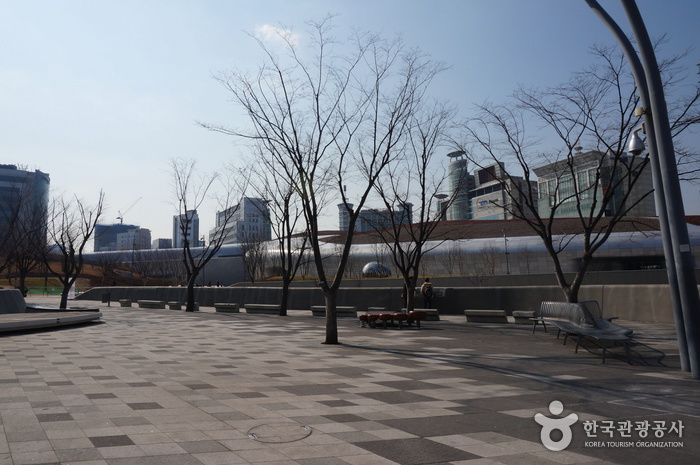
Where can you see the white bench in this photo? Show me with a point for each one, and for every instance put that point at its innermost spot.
(125, 302)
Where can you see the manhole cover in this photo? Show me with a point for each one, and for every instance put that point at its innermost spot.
(279, 432)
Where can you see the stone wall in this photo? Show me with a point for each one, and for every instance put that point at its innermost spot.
(644, 302)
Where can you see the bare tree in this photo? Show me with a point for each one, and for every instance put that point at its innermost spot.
(284, 215)
(594, 108)
(23, 234)
(414, 177)
(107, 263)
(254, 249)
(333, 119)
(191, 190)
(71, 224)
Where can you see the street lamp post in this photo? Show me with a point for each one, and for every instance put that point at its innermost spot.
(505, 242)
(679, 260)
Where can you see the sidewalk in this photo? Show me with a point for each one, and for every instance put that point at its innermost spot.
(150, 387)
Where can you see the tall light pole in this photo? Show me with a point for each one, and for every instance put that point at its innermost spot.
(505, 243)
(674, 230)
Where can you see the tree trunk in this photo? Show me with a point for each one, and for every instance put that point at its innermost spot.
(285, 297)
(64, 296)
(411, 299)
(331, 317)
(189, 306)
(22, 284)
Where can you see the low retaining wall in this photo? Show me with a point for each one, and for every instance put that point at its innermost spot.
(643, 302)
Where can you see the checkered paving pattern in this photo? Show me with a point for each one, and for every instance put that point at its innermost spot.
(150, 387)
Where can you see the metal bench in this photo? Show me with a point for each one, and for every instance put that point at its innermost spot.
(575, 319)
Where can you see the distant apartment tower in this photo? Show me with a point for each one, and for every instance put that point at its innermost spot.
(24, 198)
(186, 225)
(249, 218)
(134, 239)
(106, 235)
(372, 219)
(582, 182)
(162, 243)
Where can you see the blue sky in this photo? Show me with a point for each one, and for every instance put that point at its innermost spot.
(102, 94)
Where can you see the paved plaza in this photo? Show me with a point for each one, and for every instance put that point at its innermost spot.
(151, 387)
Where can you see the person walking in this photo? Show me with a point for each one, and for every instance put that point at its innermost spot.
(426, 291)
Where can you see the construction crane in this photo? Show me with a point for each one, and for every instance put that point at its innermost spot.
(121, 215)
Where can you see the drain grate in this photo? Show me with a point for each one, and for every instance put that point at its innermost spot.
(279, 432)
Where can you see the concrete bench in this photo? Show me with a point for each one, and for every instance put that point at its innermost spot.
(374, 319)
(125, 302)
(150, 303)
(376, 309)
(262, 309)
(431, 313)
(522, 317)
(340, 311)
(226, 307)
(486, 316)
(175, 305)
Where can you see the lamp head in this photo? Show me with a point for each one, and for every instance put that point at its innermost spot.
(636, 145)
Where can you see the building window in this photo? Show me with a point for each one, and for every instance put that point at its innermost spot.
(567, 190)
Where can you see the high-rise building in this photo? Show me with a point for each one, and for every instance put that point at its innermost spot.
(580, 182)
(24, 199)
(162, 243)
(134, 239)
(249, 218)
(106, 235)
(186, 225)
(372, 219)
(461, 183)
(497, 194)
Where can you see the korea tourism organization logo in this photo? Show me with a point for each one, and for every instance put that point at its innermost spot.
(607, 433)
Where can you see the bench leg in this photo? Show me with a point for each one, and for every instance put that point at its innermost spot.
(536, 322)
(605, 344)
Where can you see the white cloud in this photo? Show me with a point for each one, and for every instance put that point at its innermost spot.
(269, 33)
